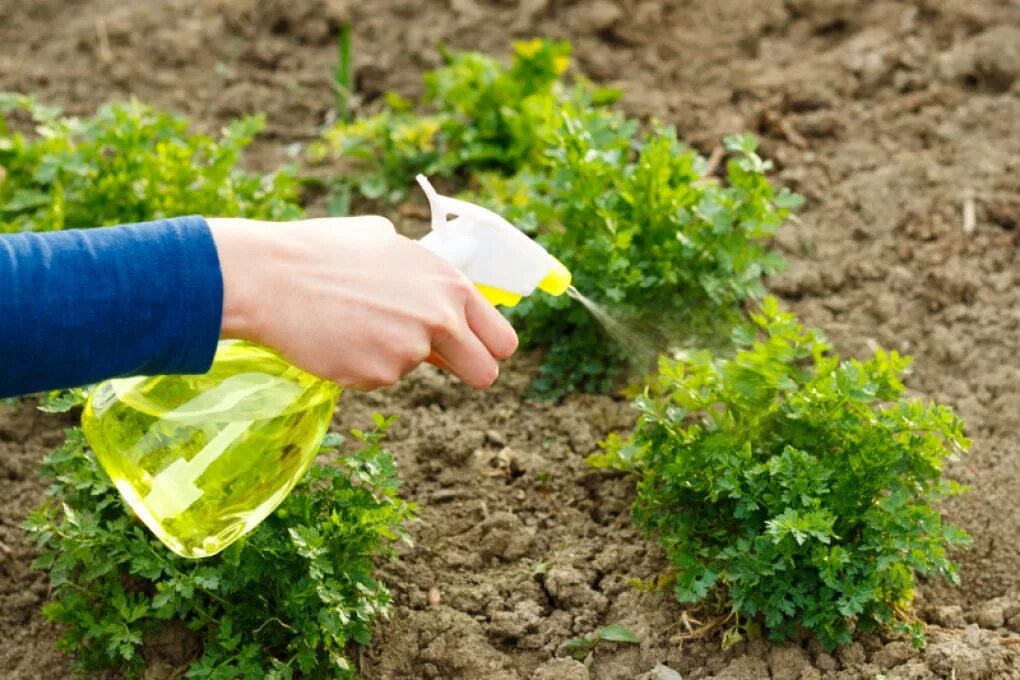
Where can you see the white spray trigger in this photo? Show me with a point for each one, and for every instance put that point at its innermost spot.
(490, 250)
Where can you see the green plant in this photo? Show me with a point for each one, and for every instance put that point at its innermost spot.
(579, 648)
(794, 485)
(343, 73)
(634, 216)
(484, 115)
(287, 600)
(645, 234)
(128, 163)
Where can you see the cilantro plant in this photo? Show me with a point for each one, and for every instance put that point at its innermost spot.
(128, 163)
(793, 484)
(476, 114)
(644, 233)
(285, 601)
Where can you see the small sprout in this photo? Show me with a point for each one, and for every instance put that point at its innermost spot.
(580, 648)
(617, 633)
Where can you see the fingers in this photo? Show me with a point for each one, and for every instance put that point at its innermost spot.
(470, 349)
(437, 361)
(464, 355)
(490, 326)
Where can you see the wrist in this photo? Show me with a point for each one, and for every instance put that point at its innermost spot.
(242, 250)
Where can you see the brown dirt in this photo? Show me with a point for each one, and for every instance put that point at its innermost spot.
(887, 115)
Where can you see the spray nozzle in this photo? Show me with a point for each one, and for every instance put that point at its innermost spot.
(504, 263)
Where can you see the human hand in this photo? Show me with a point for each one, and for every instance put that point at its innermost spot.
(350, 300)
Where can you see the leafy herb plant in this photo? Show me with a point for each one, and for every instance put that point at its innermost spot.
(796, 486)
(645, 234)
(636, 216)
(285, 601)
(476, 114)
(128, 163)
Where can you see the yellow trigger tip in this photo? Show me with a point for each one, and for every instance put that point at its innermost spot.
(557, 280)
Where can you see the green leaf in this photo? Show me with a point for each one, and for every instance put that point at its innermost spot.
(579, 648)
(788, 200)
(617, 633)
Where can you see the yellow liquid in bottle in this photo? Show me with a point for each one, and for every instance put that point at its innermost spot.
(202, 459)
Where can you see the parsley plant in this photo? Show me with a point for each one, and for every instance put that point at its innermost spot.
(796, 485)
(128, 163)
(285, 601)
(644, 233)
(630, 213)
(479, 114)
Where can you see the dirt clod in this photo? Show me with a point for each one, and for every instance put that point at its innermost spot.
(975, 655)
(894, 654)
(990, 616)
(561, 669)
(950, 616)
(744, 668)
(788, 663)
(989, 60)
(504, 536)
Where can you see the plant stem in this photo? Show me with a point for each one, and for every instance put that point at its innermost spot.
(343, 74)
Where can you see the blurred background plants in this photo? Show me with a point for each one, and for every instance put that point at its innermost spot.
(128, 163)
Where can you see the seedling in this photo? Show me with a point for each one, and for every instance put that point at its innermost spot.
(580, 648)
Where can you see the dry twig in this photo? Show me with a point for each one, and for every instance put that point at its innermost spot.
(714, 159)
(105, 53)
(969, 219)
(703, 630)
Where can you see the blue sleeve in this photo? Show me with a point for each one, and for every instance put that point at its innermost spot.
(80, 306)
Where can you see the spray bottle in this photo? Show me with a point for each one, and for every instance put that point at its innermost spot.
(203, 459)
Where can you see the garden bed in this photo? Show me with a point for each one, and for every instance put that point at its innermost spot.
(889, 120)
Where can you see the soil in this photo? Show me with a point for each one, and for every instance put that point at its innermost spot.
(889, 116)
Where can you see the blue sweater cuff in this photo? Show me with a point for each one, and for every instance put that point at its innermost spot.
(81, 306)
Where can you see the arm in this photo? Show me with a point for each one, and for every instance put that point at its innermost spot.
(346, 299)
(80, 306)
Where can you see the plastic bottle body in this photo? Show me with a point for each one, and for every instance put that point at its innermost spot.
(202, 459)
